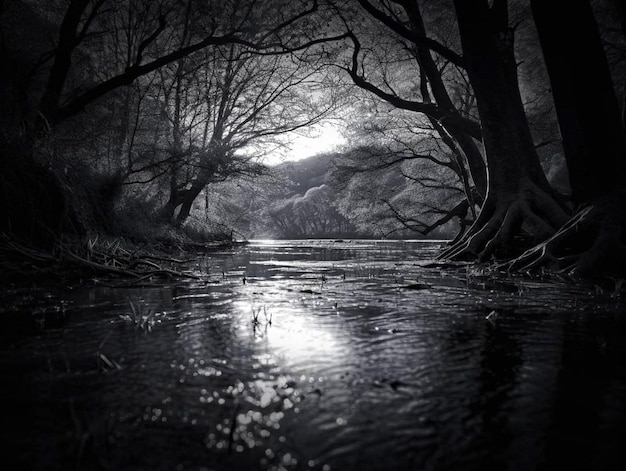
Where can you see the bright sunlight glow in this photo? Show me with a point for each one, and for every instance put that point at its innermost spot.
(322, 138)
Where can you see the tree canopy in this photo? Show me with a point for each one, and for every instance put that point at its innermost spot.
(493, 123)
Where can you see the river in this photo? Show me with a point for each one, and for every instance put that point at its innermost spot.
(326, 355)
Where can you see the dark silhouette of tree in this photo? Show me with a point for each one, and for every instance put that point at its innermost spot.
(519, 195)
(592, 134)
(519, 199)
(594, 142)
(430, 98)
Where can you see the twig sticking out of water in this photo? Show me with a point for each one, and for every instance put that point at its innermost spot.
(105, 362)
(255, 315)
(140, 319)
(323, 282)
(257, 312)
(492, 316)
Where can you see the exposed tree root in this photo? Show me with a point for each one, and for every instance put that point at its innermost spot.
(590, 244)
(502, 218)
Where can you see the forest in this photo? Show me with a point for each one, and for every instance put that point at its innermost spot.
(313, 235)
(495, 124)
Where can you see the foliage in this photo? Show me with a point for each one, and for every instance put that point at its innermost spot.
(294, 199)
(384, 195)
(153, 119)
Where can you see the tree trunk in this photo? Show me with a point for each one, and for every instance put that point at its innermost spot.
(188, 198)
(593, 242)
(209, 165)
(518, 193)
(168, 210)
(584, 98)
(51, 98)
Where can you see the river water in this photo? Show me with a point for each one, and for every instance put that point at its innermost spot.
(326, 355)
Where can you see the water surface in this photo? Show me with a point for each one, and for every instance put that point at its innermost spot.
(315, 355)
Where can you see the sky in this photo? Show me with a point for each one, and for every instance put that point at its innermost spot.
(320, 139)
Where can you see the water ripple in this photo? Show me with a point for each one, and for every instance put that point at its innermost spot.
(323, 355)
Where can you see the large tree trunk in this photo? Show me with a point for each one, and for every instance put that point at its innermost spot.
(173, 201)
(585, 102)
(518, 193)
(593, 241)
(182, 199)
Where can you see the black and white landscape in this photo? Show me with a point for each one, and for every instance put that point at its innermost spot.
(316, 234)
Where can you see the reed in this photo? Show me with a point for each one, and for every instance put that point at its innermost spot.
(141, 318)
(256, 314)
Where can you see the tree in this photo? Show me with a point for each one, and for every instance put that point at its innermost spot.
(137, 39)
(518, 198)
(452, 122)
(432, 184)
(593, 241)
(246, 101)
(519, 193)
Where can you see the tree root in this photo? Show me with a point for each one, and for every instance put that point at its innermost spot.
(544, 253)
(590, 244)
(502, 218)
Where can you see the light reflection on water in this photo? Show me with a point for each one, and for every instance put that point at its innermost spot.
(359, 358)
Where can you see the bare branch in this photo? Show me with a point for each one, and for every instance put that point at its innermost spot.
(146, 42)
(451, 119)
(411, 35)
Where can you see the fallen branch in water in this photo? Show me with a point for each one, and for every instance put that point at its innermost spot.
(96, 257)
(99, 267)
(166, 259)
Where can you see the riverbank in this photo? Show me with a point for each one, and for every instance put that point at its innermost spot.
(118, 256)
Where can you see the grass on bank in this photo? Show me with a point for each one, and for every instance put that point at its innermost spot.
(135, 243)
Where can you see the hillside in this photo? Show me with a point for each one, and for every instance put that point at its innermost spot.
(307, 173)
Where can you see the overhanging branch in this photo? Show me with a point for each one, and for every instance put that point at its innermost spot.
(411, 35)
(433, 111)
